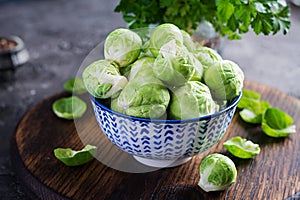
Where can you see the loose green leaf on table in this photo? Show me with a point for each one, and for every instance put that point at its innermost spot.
(74, 85)
(253, 113)
(74, 158)
(69, 107)
(276, 123)
(242, 148)
(248, 97)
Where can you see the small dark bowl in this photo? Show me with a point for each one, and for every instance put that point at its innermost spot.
(11, 58)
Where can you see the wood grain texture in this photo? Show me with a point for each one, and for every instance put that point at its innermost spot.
(274, 174)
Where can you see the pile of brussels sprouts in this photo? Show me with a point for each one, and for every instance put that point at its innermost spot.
(164, 74)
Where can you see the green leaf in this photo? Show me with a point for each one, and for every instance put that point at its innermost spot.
(74, 85)
(75, 158)
(242, 148)
(69, 107)
(276, 123)
(248, 96)
(254, 111)
(225, 9)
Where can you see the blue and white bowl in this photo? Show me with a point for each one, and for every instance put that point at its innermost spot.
(163, 143)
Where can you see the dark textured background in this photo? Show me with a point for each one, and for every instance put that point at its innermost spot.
(60, 33)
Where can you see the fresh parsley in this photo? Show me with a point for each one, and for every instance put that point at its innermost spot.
(229, 17)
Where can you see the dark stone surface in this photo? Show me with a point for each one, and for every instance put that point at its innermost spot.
(60, 33)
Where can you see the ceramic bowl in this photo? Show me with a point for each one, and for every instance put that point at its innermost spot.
(14, 57)
(163, 143)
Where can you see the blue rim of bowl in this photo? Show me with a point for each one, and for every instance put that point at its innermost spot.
(171, 121)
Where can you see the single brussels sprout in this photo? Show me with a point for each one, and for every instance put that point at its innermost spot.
(103, 80)
(276, 123)
(75, 86)
(69, 107)
(122, 46)
(207, 56)
(144, 96)
(175, 65)
(75, 158)
(163, 34)
(187, 41)
(143, 66)
(192, 100)
(217, 172)
(242, 148)
(224, 79)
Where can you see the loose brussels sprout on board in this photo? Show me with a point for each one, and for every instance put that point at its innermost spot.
(224, 79)
(242, 148)
(102, 79)
(192, 100)
(217, 172)
(75, 158)
(123, 46)
(69, 107)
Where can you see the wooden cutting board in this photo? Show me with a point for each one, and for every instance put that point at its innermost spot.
(274, 174)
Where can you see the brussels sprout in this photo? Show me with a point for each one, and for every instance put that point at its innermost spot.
(175, 65)
(207, 56)
(74, 158)
(102, 79)
(224, 79)
(276, 123)
(163, 34)
(242, 148)
(143, 65)
(122, 46)
(217, 172)
(144, 95)
(74, 85)
(191, 101)
(187, 41)
(69, 107)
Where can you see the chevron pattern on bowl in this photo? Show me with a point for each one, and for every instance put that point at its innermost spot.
(163, 139)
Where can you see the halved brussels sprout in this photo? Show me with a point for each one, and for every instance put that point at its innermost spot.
(242, 148)
(163, 34)
(175, 65)
(102, 79)
(192, 100)
(224, 79)
(144, 96)
(122, 46)
(217, 172)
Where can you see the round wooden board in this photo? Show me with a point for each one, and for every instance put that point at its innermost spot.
(274, 174)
